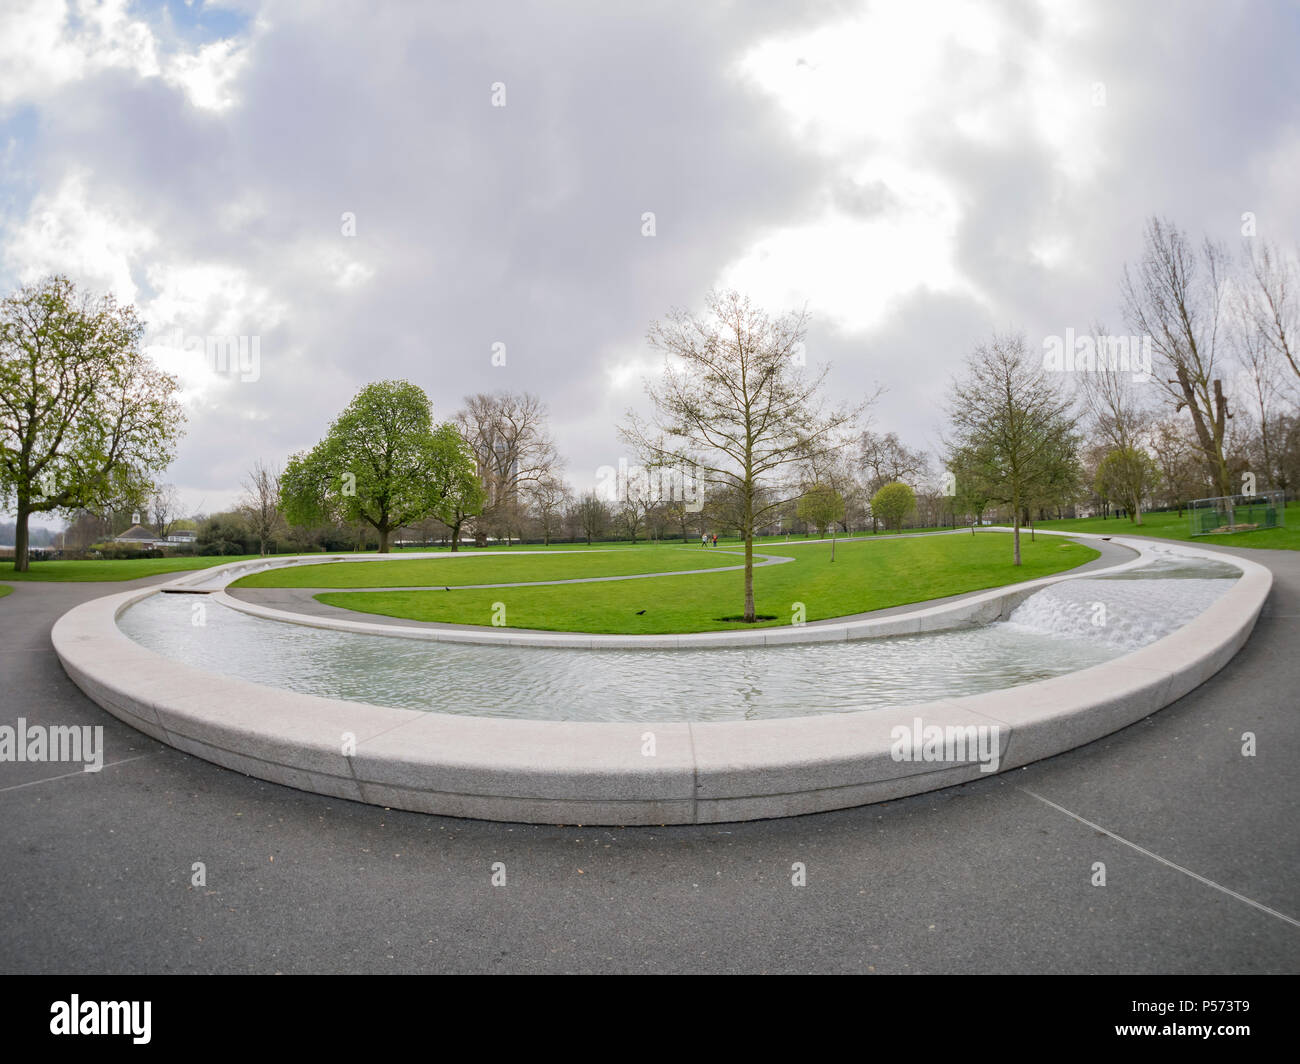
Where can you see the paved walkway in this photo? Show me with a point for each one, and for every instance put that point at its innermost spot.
(1200, 847)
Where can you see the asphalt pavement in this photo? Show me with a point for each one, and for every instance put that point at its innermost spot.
(1200, 847)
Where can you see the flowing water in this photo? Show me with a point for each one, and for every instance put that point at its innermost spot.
(1065, 627)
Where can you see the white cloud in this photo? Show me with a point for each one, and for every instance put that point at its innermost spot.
(65, 232)
(195, 301)
(46, 44)
(873, 93)
(208, 76)
(851, 270)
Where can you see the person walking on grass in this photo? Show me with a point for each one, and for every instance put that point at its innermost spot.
(704, 539)
(715, 539)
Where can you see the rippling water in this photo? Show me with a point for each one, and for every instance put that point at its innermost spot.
(1051, 633)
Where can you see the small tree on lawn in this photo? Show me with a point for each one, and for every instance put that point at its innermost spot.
(821, 505)
(893, 504)
(1005, 412)
(734, 403)
(260, 505)
(1127, 475)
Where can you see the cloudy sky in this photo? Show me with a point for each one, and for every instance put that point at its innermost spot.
(339, 185)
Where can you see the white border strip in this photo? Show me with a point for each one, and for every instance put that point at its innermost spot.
(589, 773)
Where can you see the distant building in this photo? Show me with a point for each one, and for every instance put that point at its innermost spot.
(140, 536)
(137, 534)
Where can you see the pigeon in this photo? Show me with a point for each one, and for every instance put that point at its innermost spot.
(639, 612)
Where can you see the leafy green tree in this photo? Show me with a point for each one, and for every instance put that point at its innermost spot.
(465, 499)
(1127, 476)
(970, 472)
(893, 503)
(223, 534)
(821, 506)
(884, 460)
(383, 463)
(86, 419)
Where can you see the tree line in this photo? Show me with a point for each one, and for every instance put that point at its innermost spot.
(1201, 401)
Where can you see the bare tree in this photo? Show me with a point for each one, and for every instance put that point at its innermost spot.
(1269, 303)
(1119, 415)
(635, 501)
(260, 505)
(1176, 296)
(84, 530)
(513, 450)
(548, 498)
(683, 516)
(1013, 432)
(1182, 473)
(165, 506)
(885, 460)
(835, 471)
(1262, 370)
(430, 529)
(591, 516)
(733, 396)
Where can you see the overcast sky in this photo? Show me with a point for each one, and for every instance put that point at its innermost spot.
(918, 173)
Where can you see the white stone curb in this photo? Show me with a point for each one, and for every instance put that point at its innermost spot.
(590, 773)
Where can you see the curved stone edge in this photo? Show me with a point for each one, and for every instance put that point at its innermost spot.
(977, 608)
(564, 772)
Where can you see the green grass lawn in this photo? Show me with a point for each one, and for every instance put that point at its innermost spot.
(489, 568)
(135, 568)
(121, 569)
(865, 576)
(729, 540)
(1171, 526)
(5, 589)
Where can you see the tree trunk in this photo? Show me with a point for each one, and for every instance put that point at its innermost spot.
(20, 536)
(383, 540)
(749, 554)
(1015, 508)
(455, 536)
